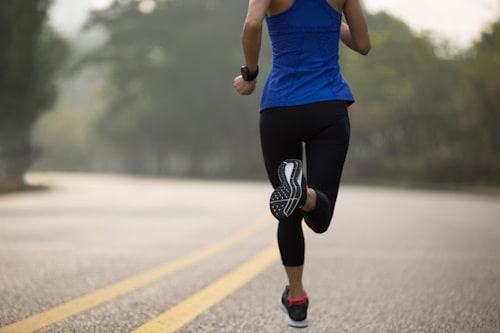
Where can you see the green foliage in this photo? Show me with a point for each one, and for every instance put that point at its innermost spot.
(478, 110)
(31, 54)
(421, 118)
(171, 109)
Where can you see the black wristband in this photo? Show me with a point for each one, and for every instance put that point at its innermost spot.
(247, 75)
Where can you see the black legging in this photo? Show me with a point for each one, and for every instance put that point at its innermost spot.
(324, 128)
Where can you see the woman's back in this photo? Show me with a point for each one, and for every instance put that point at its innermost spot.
(305, 38)
(278, 6)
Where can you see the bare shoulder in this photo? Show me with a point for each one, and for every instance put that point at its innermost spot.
(279, 6)
(338, 5)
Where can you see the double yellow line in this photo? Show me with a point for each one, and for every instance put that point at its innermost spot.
(182, 313)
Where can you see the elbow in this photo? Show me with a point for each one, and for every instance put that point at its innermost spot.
(362, 45)
(252, 25)
(364, 49)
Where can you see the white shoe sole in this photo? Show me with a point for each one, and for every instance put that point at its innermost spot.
(286, 197)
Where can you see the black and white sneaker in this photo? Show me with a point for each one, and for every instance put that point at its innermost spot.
(296, 310)
(291, 193)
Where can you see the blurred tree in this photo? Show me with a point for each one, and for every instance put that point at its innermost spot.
(419, 117)
(31, 53)
(171, 105)
(400, 88)
(476, 148)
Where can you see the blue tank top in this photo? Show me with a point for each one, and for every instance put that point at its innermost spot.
(305, 46)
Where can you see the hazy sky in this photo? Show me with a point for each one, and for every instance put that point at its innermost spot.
(459, 21)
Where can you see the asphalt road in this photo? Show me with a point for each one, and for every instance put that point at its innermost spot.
(109, 253)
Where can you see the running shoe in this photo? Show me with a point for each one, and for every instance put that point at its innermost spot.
(296, 311)
(291, 193)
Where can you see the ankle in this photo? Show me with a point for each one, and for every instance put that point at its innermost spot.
(297, 294)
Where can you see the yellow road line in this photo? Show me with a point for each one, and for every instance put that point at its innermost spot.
(184, 312)
(105, 294)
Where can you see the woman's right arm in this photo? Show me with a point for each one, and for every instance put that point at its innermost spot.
(354, 34)
(251, 42)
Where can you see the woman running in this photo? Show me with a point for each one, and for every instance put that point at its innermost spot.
(304, 102)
